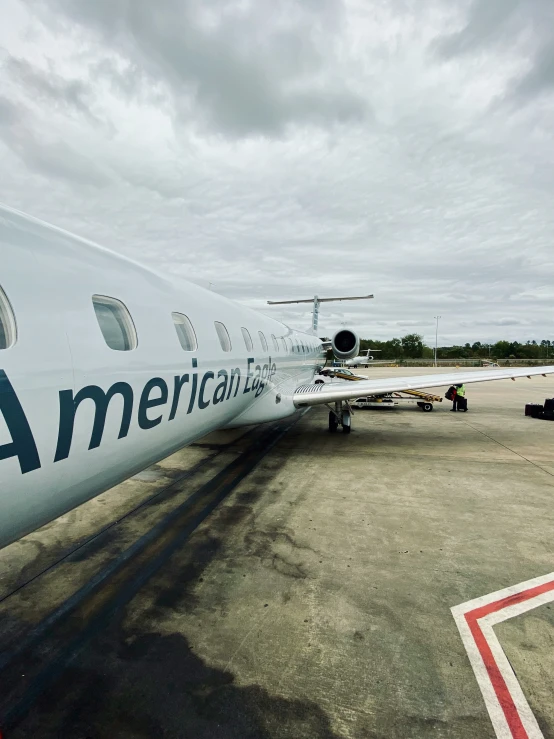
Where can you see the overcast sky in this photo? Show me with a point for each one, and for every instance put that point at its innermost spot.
(282, 148)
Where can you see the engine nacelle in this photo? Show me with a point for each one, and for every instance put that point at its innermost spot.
(346, 344)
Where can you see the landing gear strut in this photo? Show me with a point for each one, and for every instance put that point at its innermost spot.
(341, 415)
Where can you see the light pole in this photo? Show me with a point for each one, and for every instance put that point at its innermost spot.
(436, 337)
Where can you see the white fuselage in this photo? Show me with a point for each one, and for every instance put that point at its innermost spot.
(362, 359)
(76, 416)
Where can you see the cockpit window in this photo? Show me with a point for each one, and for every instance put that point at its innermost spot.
(115, 323)
(263, 340)
(8, 331)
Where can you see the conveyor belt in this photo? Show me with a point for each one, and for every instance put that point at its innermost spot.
(428, 397)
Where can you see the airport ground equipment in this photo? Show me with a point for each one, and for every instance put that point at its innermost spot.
(338, 373)
(422, 399)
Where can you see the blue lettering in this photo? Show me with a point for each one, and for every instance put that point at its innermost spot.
(23, 444)
(221, 389)
(101, 400)
(146, 402)
(248, 375)
(202, 403)
(194, 386)
(177, 385)
(234, 373)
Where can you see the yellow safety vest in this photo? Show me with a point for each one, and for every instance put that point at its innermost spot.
(461, 391)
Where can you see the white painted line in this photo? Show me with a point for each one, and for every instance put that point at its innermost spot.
(509, 711)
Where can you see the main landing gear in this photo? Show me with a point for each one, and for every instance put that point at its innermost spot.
(340, 416)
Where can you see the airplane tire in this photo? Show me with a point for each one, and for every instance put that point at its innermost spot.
(333, 423)
(346, 429)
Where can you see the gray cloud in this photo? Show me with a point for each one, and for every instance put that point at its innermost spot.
(50, 158)
(487, 22)
(283, 149)
(8, 112)
(541, 76)
(51, 87)
(243, 71)
(509, 24)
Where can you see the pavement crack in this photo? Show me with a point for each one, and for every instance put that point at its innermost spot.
(509, 449)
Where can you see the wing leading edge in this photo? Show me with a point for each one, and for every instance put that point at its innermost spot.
(319, 394)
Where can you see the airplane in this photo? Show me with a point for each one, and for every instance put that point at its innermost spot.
(363, 359)
(106, 367)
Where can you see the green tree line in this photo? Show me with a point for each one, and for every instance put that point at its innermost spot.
(412, 346)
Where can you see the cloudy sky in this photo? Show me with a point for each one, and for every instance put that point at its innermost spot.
(282, 148)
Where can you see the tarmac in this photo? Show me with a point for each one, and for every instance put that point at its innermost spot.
(315, 601)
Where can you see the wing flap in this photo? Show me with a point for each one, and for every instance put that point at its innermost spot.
(331, 392)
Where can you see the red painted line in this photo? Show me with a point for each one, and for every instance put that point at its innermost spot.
(495, 676)
(498, 683)
(511, 600)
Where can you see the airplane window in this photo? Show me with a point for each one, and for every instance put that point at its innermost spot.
(185, 332)
(275, 344)
(7, 322)
(223, 336)
(115, 323)
(247, 339)
(263, 340)
(284, 343)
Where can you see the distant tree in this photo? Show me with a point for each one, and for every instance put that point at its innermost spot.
(501, 349)
(412, 346)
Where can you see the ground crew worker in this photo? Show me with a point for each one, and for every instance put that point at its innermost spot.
(453, 398)
(460, 399)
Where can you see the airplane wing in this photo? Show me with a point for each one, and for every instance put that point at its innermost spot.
(329, 393)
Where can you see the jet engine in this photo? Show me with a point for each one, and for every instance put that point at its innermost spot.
(345, 344)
